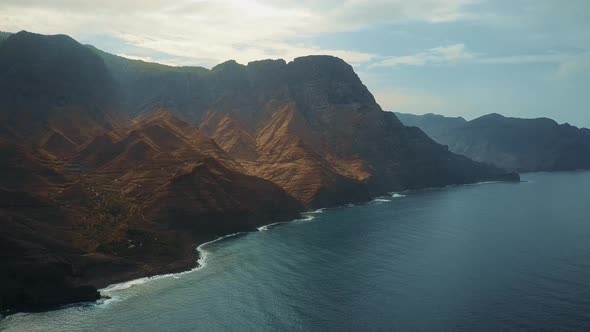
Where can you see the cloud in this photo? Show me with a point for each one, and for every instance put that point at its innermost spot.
(136, 57)
(209, 32)
(524, 59)
(438, 55)
(566, 64)
(357, 14)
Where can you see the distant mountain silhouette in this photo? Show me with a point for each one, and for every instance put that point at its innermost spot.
(516, 144)
(116, 168)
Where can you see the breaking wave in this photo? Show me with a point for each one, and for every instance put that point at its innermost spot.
(380, 201)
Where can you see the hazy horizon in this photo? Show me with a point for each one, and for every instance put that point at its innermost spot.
(464, 58)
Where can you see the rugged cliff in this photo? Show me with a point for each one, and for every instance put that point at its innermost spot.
(521, 145)
(114, 169)
(310, 126)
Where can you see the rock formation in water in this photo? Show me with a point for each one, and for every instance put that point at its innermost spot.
(522, 145)
(113, 169)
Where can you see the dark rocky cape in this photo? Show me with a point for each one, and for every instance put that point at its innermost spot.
(522, 145)
(113, 169)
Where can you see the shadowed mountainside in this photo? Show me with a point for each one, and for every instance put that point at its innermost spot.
(4, 35)
(521, 145)
(114, 169)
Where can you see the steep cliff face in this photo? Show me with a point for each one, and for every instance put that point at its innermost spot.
(320, 134)
(127, 165)
(53, 82)
(290, 158)
(515, 144)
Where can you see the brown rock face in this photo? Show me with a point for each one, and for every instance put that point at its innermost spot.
(128, 203)
(113, 169)
(314, 129)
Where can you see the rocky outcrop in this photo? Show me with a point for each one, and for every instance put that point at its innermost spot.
(521, 145)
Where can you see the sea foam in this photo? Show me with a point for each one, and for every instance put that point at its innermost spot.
(201, 263)
(380, 201)
(306, 218)
(269, 226)
(113, 289)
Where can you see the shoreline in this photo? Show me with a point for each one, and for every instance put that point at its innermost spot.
(181, 267)
(201, 260)
(200, 263)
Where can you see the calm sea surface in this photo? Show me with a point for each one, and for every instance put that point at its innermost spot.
(482, 257)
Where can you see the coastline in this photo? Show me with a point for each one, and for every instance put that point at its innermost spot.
(199, 263)
(201, 255)
(201, 259)
(296, 264)
(108, 285)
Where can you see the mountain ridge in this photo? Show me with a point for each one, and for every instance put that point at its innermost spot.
(517, 144)
(136, 163)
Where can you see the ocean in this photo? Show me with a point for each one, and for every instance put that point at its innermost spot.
(495, 256)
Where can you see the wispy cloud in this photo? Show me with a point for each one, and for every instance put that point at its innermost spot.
(209, 32)
(566, 64)
(437, 55)
(524, 59)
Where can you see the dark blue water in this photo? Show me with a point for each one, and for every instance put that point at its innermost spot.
(484, 257)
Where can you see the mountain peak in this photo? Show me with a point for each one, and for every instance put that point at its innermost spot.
(319, 81)
(31, 37)
(267, 65)
(46, 76)
(228, 65)
(498, 119)
(491, 116)
(323, 59)
(43, 48)
(267, 62)
(325, 66)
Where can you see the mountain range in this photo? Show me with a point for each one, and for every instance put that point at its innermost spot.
(113, 169)
(522, 145)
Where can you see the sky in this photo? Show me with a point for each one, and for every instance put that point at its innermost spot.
(523, 58)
